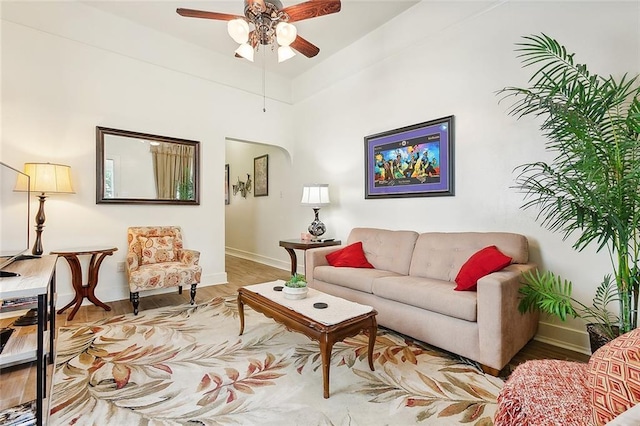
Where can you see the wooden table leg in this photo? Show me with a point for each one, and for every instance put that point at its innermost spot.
(81, 291)
(373, 331)
(326, 346)
(76, 280)
(94, 267)
(294, 260)
(241, 314)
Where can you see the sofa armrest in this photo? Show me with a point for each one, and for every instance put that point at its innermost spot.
(317, 257)
(502, 329)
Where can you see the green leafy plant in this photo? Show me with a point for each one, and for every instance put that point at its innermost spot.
(550, 294)
(591, 187)
(296, 281)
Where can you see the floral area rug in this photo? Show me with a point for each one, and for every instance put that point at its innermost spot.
(186, 365)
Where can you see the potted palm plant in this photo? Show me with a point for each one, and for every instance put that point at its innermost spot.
(549, 293)
(591, 187)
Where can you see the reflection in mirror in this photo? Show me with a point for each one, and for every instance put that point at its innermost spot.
(139, 168)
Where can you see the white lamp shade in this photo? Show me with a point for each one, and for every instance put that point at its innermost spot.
(46, 178)
(246, 51)
(284, 53)
(238, 29)
(315, 195)
(285, 33)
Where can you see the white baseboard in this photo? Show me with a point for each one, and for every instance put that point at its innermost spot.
(275, 263)
(564, 337)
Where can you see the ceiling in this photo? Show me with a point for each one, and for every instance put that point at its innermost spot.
(330, 33)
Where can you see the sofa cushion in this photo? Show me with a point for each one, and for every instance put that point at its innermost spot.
(360, 279)
(433, 295)
(613, 377)
(386, 250)
(351, 256)
(440, 255)
(481, 263)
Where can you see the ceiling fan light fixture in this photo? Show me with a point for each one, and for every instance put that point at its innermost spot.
(238, 29)
(284, 53)
(285, 33)
(246, 51)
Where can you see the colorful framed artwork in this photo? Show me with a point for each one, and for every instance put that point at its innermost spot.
(413, 161)
(261, 176)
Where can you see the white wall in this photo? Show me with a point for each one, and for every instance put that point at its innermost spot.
(438, 68)
(60, 81)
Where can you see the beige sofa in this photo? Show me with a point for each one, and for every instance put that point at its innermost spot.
(412, 288)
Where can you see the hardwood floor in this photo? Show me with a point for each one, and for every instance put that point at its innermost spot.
(240, 272)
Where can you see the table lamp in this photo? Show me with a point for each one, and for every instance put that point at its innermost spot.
(46, 178)
(316, 195)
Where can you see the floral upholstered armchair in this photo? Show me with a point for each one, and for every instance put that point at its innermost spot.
(156, 259)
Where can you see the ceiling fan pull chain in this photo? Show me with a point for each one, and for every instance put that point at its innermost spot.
(264, 79)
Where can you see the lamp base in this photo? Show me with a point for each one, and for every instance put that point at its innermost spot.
(316, 228)
(40, 218)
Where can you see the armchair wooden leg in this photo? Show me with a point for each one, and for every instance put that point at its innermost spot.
(179, 289)
(135, 299)
(193, 293)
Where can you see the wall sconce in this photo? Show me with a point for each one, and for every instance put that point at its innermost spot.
(242, 187)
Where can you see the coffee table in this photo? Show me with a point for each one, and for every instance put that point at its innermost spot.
(341, 318)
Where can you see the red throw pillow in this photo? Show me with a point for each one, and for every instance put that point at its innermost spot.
(481, 263)
(351, 256)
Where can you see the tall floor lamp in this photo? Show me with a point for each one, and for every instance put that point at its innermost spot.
(316, 195)
(46, 178)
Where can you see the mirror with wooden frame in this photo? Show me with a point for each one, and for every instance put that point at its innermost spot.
(140, 168)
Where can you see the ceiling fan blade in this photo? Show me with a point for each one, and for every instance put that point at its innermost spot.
(303, 46)
(191, 13)
(312, 9)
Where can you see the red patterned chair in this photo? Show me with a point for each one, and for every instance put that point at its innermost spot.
(552, 392)
(156, 259)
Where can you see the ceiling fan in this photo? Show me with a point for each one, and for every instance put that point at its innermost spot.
(267, 22)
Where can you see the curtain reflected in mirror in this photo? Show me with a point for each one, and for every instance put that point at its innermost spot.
(173, 171)
(139, 168)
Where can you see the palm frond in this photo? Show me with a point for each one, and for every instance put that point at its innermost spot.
(547, 293)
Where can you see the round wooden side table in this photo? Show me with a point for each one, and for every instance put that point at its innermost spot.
(82, 291)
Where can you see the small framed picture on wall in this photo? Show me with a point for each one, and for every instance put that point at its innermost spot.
(261, 176)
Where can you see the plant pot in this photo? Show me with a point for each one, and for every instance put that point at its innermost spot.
(295, 293)
(598, 337)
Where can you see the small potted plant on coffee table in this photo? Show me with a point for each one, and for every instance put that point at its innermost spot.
(295, 287)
